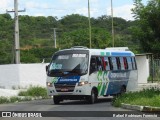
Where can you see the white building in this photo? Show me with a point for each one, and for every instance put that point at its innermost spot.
(143, 67)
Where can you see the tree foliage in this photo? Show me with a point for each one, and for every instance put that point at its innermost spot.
(148, 27)
(100, 38)
(37, 36)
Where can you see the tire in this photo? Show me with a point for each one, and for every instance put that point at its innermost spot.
(56, 100)
(123, 90)
(93, 97)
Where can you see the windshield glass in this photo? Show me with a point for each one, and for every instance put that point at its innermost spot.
(68, 64)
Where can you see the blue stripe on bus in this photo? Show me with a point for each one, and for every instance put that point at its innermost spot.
(115, 87)
(120, 54)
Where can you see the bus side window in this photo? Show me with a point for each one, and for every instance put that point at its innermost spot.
(93, 65)
(99, 63)
(118, 63)
(134, 63)
(110, 63)
(114, 63)
(129, 63)
(103, 63)
(106, 60)
(122, 63)
(125, 63)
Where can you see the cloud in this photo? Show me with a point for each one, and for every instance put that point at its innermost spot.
(6, 5)
(84, 11)
(32, 4)
(122, 11)
(69, 3)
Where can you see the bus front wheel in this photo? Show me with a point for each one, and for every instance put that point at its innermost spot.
(93, 97)
(56, 100)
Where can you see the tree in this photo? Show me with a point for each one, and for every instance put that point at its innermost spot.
(148, 28)
(6, 38)
(74, 21)
(100, 38)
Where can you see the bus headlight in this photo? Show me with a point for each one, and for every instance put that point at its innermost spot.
(82, 83)
(49, 84)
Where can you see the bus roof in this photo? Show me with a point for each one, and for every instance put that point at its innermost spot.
(116, 51)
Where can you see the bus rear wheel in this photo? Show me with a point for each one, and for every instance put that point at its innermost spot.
(123, 90)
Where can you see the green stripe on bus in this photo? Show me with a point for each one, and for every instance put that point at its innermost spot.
(102, 53)
(103, 88)
(99, 87)
(108, 53)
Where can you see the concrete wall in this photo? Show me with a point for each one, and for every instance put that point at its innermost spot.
(9, 76)
(16, 76)
(143, 68)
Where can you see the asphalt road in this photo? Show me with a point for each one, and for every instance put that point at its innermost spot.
(71, 108)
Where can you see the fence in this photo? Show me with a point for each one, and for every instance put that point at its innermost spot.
(155, 70)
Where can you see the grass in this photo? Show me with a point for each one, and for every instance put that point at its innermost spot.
(27, 95)
(13, 99)
(146, 97)
(4, 100)
(34, 92)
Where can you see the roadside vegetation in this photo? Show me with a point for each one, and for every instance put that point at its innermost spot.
(30, 94)
(34, 92)
(146, 97)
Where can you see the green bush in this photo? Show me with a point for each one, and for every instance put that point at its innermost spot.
(146, 97)
(15, 99)
(23, 93)
(34, 91)
(4, 100)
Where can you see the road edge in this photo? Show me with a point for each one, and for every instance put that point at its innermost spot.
(140, 108)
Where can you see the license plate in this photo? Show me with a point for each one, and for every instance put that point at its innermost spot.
(64, 89)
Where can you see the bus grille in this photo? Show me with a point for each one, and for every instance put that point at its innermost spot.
(64, 87)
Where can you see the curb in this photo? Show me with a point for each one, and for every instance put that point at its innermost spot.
(132, 107)
(140, 108)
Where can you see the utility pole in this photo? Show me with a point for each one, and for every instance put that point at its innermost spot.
(54, 37)
(17, 48)
(112, 24)
(90, 36)
(55, 46)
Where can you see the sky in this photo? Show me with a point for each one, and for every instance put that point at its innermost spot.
(61, 8)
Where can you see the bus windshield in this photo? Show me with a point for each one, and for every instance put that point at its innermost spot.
(68, 64)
